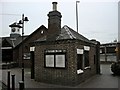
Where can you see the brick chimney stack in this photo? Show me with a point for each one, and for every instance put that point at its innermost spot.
(54, 22)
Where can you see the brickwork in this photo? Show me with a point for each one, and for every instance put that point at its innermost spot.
(88, 72)
(67, 75)
(54, 24)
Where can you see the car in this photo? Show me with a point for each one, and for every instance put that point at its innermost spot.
(115, 68)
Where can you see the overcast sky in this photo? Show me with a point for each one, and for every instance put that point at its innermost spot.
(98, 19)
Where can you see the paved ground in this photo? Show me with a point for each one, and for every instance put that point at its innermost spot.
(105, 80)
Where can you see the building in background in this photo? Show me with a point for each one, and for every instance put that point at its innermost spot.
(12, 46)
(108, 52)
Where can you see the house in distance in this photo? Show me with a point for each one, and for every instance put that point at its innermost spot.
(63, 56)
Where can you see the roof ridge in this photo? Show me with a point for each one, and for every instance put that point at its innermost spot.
(76, 35)
(69, 32)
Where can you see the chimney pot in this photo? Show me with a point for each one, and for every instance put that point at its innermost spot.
(54, 6)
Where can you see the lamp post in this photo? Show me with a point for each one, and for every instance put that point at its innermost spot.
(77, 14)
(22, 22)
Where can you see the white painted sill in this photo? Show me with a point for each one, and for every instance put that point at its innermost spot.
(87, 68)
(80, 71)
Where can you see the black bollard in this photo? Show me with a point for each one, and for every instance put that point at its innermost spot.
(13, 82)
(8, 81)
(21, 85)
(22, 74)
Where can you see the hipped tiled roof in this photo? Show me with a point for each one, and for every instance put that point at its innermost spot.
(66, 33)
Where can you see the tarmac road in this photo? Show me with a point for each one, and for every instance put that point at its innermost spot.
(105, 80)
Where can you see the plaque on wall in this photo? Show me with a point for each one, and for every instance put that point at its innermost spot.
(87, 48)
(26, 55)
(79, 51)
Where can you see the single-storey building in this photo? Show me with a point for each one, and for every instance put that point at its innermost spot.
(63, 56)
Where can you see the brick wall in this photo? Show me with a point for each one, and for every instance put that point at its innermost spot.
(67, 76)
(88, 72)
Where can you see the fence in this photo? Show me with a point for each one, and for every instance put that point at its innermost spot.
(108, 58)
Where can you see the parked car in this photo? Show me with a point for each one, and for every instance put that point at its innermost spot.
(115, 68)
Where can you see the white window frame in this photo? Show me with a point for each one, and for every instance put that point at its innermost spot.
(56, 62)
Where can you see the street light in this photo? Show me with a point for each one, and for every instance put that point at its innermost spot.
(22, 22)
(77, 14)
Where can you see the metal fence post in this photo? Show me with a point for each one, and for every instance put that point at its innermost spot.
(22, 74)
(8, 80)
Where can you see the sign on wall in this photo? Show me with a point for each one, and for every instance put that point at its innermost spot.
(79, 51)
(32, 48)
(87, 48)
(55, 51)
(26, 56)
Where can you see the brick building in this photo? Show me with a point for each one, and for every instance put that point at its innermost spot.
(12, 46)
(63, 56)
(108, 47)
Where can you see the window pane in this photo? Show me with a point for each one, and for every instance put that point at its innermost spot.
(60, 60)
(49, 60)
(86, 57)
(79, 61)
